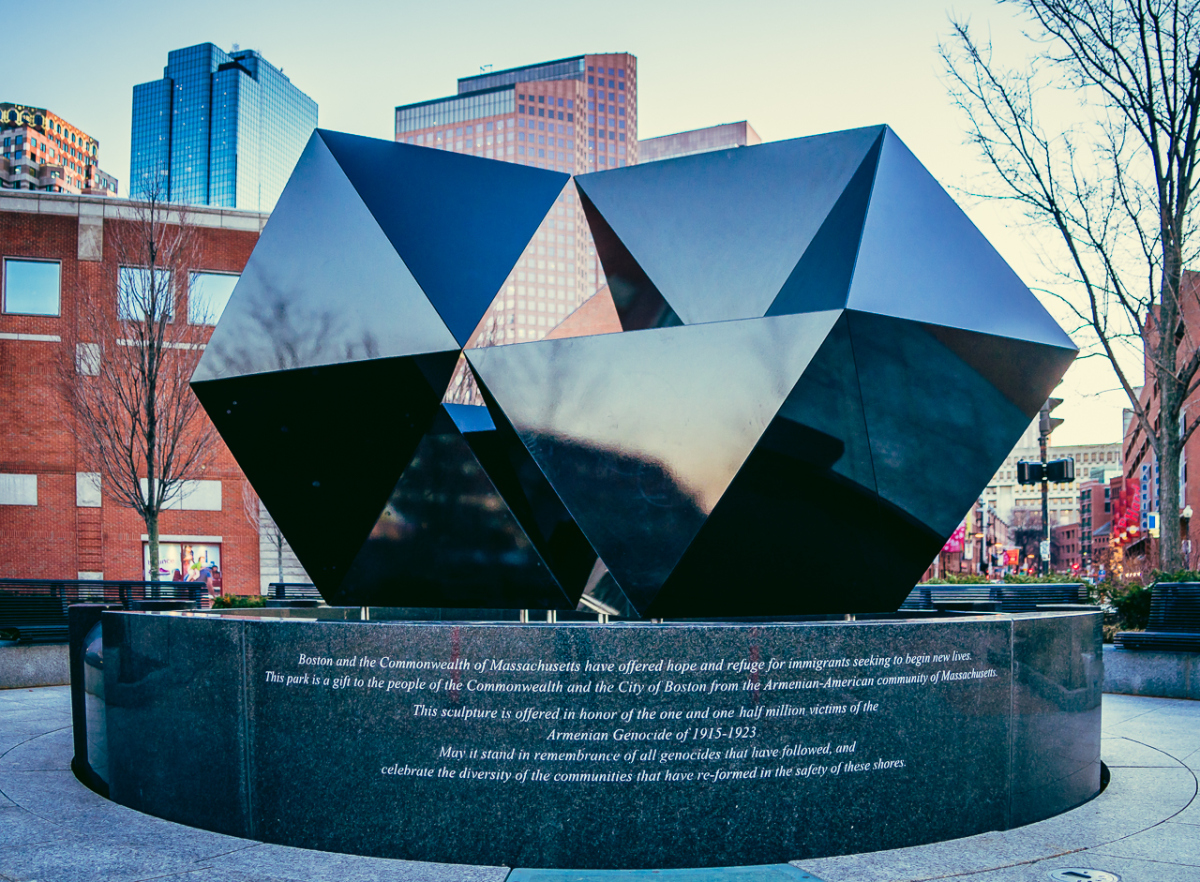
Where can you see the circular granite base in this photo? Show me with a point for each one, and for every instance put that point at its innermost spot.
(603, 746)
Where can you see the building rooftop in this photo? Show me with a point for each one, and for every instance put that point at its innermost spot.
(560, 69)
(70, 205)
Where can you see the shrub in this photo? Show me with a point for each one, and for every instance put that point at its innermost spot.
(238, 601)
(958, 579)
(1132, 603)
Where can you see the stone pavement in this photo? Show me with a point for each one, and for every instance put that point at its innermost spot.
(1144, 828)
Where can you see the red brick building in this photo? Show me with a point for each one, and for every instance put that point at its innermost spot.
(1065, 548)
(1141, 467)
(54, 520)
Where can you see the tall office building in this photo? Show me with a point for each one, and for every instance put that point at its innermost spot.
(220, 129)
(42, 151)
(572, 115)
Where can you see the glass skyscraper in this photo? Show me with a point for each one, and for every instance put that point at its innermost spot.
(220, 129)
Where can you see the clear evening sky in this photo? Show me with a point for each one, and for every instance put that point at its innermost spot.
(790, 68)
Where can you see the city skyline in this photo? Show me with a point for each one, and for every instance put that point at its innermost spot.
(793, 70)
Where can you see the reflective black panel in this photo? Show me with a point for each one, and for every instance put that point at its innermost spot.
(1020, 371)
(323, 286)
(324, 446)
(719, 233)
(639, 304)
(821, 279)
(921, 258)
(924, 408)
(807, 541)
(446, 535)
(822, 422)
(640, 433)
(459, 222)
(547, 522)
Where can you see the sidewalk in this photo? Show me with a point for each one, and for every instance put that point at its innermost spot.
(1145, 827)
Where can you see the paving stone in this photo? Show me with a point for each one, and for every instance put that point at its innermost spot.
(51, 751)
(1135, 799)
(1173, 842)
(762, 873)
(216, 874)
(71, 861)
(130, 828)
(304, 865)
(1127, 869)
(19, 827)
(1120, 752)
(55, 795)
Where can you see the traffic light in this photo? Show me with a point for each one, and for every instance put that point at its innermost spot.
(1058, 471)
(1046, 423)
(1029, 472)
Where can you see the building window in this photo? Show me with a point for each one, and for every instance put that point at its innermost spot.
(87, 359)
(87, 489)
(139, 291)
(32, 287)
(18, 490)
(207, 295)
(191, 495)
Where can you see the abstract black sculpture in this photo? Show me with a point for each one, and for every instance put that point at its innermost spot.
(823, 362)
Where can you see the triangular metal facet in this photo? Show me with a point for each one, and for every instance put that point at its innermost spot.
(640, 433)
(1025, 373)
(922, 259)
(924, 407)
(821, 279)
(323, 286)
(446, 538)
(821, 423)
(459, 222)
(723, 249)
(639, 304)
(323, 450)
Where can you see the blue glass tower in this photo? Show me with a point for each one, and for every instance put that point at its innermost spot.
(220, 129)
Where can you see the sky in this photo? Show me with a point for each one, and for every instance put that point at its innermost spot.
(791, 68)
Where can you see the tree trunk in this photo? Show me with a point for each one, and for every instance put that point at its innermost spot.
(152, 534)
(1170, 548)
(1171, 393)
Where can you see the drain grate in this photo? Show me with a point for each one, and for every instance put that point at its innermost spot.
(1079, 874)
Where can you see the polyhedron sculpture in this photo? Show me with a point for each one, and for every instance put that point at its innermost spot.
(821, 364)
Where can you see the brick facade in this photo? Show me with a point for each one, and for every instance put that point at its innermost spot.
(57, 537)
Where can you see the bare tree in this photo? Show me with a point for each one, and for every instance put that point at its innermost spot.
(1115, 189)
(265, 527)
(135, 419)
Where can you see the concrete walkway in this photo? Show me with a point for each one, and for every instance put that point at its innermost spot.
(1144, 828)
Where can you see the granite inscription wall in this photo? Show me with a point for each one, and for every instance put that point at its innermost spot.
(621, 746)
